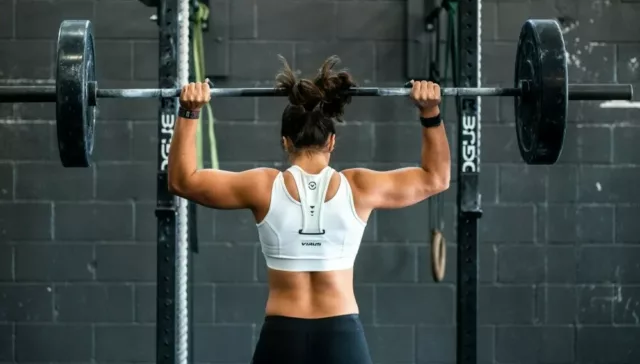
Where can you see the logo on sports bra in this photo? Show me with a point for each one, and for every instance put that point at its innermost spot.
(312, 185)
(311, 243)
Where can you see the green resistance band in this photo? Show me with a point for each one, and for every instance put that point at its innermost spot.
(451, 47)
(199, 68)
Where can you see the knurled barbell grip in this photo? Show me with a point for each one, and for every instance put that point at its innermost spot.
(266, 92)
(576, 92)
(48, 93)
(11, 94)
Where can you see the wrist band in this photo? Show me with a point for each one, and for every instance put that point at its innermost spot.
(431, 122)
(188, 114)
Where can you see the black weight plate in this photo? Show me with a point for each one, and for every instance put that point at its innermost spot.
(75, 117)
(541, 66)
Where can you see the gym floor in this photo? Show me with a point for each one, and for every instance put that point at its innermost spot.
(559, 249)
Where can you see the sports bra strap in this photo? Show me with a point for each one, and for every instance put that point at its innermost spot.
(312, 189)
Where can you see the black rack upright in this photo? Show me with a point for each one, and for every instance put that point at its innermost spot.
(167, 313)
(469, 207)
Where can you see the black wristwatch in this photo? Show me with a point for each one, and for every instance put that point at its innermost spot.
(431, 122)
(188, 114)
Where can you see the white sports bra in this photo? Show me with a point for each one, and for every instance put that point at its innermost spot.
(311, 235)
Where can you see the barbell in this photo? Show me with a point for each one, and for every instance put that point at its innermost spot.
(541, 92)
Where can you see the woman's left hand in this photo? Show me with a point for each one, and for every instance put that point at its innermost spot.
(195, 95)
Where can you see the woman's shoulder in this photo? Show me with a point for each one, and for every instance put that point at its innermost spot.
(264, 173)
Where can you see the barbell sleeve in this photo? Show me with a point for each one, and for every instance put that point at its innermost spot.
(604, 92)
(11, 94)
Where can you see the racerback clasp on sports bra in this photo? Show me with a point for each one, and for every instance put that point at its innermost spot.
(312, 189)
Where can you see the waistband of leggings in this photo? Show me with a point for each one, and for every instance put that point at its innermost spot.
(350, 322)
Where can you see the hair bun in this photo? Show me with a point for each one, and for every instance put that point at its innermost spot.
(300, 92)
(333, 85)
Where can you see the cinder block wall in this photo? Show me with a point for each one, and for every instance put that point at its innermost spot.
(559, 253)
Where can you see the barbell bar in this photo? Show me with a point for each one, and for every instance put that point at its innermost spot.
(541, 92)
(576, 92)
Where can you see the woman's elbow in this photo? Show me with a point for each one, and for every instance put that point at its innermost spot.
(174, 188)
(444, 178)
(434, 184)
(441, 186)
(446, 181)
(440, 182)
(176, 185)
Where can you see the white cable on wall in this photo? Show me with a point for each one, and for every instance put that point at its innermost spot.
(182, 254)
(479, 102)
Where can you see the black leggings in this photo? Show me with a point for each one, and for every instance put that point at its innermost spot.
(331, 340)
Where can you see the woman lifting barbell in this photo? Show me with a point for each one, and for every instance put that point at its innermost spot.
(311, 218)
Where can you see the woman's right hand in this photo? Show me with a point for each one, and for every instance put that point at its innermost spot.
(426, 96)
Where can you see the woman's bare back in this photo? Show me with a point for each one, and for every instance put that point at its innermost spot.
(308, 294)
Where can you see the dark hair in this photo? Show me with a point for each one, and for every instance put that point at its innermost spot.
(314, 106)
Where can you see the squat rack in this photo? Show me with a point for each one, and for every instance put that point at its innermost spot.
(167, 311)
(469, 209)
(468, 197)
